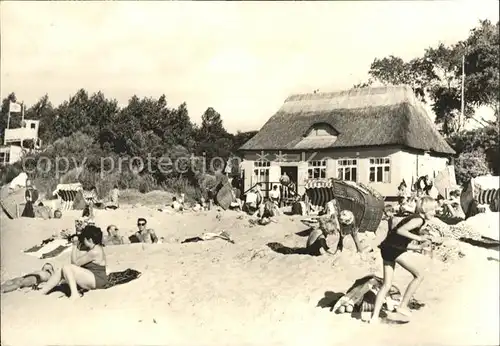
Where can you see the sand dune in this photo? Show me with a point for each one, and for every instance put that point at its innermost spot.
(218, 293)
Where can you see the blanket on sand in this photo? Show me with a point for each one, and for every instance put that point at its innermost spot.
(49, 248)
(114, 279)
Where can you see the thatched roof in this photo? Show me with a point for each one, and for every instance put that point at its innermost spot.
(388, 115)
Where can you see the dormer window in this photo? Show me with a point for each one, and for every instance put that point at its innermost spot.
(321, 130)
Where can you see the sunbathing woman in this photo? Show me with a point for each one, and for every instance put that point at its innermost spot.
(30, 280)
(395, 245)
(87, 269)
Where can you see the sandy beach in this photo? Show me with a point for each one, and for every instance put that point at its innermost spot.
(218, 293)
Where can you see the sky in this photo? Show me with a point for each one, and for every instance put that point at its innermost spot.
(241, 58)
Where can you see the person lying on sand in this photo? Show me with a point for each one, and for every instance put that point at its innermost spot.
(143, 235)
(396, 243)
(113, 238)
(87, 269)
(29, 280)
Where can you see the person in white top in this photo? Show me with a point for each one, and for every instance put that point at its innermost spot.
(274, 195)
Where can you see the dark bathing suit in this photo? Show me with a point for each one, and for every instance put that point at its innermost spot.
(36, 276)
(315, 248)
(99, 271)
(394, 244)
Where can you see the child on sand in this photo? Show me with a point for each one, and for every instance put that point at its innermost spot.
(345, 223)
(396, 243)
(316, 242)
(30, 280)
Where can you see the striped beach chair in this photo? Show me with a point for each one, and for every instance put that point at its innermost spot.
(318, 193)
(480, 193)
(66, 194)
(488, 196)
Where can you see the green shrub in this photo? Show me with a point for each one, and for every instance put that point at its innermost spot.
(470, 165)
(9, 172)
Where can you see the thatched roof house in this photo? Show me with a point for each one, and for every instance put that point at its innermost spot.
(379, 136)
(379, 116)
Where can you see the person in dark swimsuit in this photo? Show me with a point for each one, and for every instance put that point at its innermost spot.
(316, 244)
(395, 244)
(87, 269)
(31, 196)
(30, 280)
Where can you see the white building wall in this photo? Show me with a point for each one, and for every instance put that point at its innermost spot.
(403, 165)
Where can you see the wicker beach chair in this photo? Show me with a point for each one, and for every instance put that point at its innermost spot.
(366, 204)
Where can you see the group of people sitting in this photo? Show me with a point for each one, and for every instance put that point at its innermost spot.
(407, 203)
(87, 268)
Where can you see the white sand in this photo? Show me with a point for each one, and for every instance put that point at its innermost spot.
(217, 293)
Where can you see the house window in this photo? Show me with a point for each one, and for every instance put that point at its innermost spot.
(4, 158)
(261, 171)
(33, 125)
(317, 169)
(347, 169)
(380, 170)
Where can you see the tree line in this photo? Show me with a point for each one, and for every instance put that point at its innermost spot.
(436, 79)
(91, 127)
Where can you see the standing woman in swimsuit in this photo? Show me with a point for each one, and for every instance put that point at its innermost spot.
(396, 243)
(87, 269)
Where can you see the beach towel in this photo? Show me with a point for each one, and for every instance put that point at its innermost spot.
(209, 236)
(120, 278)
(38, 247)
(114, 279)
(57, 251)
(50, 249)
